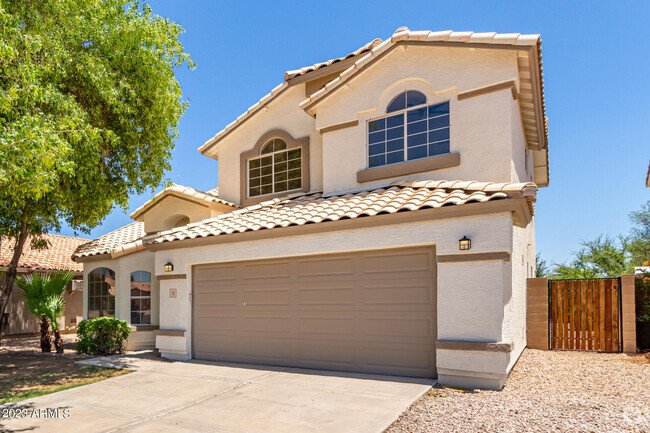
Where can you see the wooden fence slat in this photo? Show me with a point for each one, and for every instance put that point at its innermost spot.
(565, 315)
(603, 312)
(554, 319)
(588, 313)
(608, 315)
(596, 300)
(615, 323)
(583, 314)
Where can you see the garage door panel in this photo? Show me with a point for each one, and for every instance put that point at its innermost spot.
(398, 292)
(331, 267)
(217, 322)
(398, 359)
(266, 297)
(325, 356)
(365, 311)
(223, 298)
(263, 350)
(390, 262)
(266, 324)
(326, 326)
(215, 273)
(398, 326)
(265, 271)
(326, 294)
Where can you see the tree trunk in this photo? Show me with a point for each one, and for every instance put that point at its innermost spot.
(10, 276)
(46, 342)
(58, 341)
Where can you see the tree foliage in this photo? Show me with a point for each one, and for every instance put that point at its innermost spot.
(606, 256)
(43, 295)
(638, 241)
(89, 111)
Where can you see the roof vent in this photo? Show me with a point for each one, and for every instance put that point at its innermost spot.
(401, 29)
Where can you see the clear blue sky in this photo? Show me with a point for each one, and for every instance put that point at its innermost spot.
(596, 67)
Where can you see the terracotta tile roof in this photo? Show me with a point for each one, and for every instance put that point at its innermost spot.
(302, 71)
(57, 256)
(125, 240)
(207, 197)
(300, 208)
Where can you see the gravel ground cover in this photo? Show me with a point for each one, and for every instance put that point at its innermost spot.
(547, 391)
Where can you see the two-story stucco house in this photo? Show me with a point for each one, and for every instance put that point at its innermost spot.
(375, 213)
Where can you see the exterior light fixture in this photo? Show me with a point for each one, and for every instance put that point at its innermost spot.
(169, 267)
(464, 243)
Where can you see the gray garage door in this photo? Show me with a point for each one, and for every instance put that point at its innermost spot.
(371, 311)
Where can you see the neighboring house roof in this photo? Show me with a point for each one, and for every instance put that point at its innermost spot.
(449, 38)
(301, 209)
(56, 257)
(125, 240)
(302, 71)
(186, 192)
(647, 178)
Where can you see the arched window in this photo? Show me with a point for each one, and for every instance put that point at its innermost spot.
(101, 293)
(415, 131)
(273, 145)
(410, 98)
(278, 169)
(140, 298)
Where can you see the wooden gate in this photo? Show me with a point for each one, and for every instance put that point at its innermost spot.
(585, 314)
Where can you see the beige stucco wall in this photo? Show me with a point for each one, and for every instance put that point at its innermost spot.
(164, 214)
(480, 127)
(283, 113)
(123, 266)
(469, 294)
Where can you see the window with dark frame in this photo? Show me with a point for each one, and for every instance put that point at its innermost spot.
(140, 298)
(101, 293)
(415, 131)
(278, 169)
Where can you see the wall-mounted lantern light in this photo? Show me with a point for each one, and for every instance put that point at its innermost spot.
(169, 267)
(464, 243)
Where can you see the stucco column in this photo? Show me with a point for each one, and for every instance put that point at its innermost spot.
(537, 313)
(628, 307)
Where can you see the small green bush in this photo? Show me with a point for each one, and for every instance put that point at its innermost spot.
(642, 295)
(102, 336)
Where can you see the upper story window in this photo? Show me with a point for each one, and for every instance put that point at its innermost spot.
(415, 131)
(278, 169)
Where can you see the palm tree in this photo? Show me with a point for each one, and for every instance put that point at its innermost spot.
(43, 296)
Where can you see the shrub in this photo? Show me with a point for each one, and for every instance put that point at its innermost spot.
(642, 297)
(102, 336)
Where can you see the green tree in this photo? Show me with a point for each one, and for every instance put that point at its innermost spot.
(602, 257)
(638, 241)
(89, 110)
(43, 295)
(541, 268)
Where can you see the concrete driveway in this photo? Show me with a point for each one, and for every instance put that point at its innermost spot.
(217, 397)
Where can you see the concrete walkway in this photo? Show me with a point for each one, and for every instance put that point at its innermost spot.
(200, 396)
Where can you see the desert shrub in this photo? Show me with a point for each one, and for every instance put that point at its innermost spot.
(102, 336)
(642, 297)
